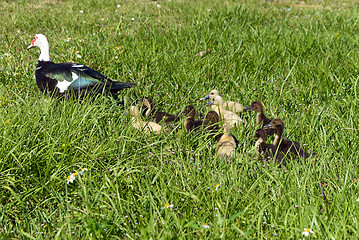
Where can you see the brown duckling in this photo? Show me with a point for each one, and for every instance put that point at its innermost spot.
(230, 105)
(190, 122)
(285, 146)
(226, 144)
(261, 118)
(212, 127)
(229, 117)
(137, 123)
(158, 116)
(267, 151)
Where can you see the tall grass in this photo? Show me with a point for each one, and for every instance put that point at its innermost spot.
(299, 59)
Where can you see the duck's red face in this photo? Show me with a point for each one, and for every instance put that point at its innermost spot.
(34, 39)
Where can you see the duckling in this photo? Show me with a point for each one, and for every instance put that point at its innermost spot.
(229, 117)
(190, 123)
(285, 146)
(230, 105)
(226, 144)
(212, 126)
(138, 124)
(261, 118)
(262, 148)
(158, 116)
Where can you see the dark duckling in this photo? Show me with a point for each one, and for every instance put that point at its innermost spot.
(150, 111)
(261, 118)
(267, 151)
(190, 123)
(211, 123)
(285, 146)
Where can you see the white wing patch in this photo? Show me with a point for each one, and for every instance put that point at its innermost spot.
(62, 86)
(77, 66)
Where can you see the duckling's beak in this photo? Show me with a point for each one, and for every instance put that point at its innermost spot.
(205, 97)
(248, 108)
(268, 125)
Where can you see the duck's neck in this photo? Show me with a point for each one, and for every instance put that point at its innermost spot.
(220, 110)
(149, 108)
(258, 143)
(45, 53)
(260, 117)
(278, 135)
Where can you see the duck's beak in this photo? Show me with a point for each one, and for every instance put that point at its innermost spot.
(248, 108)
(268, 125)
(205, 97)
(30, 46)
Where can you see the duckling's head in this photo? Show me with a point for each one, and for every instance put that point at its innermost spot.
(255, 106)
(133, 111)
(213, 93)
(260, 133)
(189, 111)
(276, 124)
(217, 100)
(212, 117)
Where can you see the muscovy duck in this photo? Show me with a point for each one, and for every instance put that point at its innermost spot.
(59, 78)
(285, 146)
(261, 118)
(229, 117)
(230, 105)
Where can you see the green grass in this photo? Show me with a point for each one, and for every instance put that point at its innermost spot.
(299, 59)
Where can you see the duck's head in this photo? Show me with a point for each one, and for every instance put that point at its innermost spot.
(213, 93)
(260, 133)
(190, 111)
(212, 117)
(255, 106)
(133, 111)
(146, 102)
(217, 100)
(275, 124)
(39, 41)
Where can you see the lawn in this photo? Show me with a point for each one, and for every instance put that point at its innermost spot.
(299, 58)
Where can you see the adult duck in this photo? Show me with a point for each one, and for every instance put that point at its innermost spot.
(261, 118)
(230, 105)
(285, 146)
(150, 111)
(229, 117)
(59, 78)
(137, 123)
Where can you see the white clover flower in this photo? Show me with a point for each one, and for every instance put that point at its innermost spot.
(68, 39)
(307, 231)
(157, 5)
(79, 56)
(81, 11)
(167, 206)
